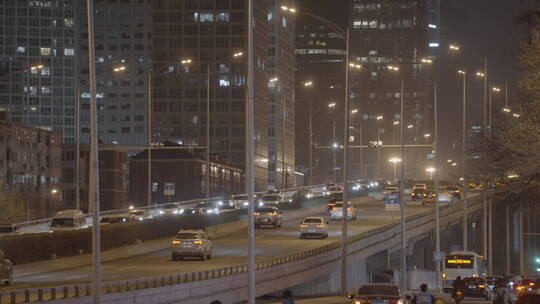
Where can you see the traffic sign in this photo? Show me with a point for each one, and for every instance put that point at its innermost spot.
(392, 201)
(169, 189)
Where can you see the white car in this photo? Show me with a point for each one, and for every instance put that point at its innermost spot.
(169, 209)
(420, 187)
(314, 225)
(240, 200)
(269, 199)
(337, 211)
(334, 190)
(191, 243)
(287, 196)
(140, 214)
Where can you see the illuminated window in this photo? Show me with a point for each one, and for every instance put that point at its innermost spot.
(69, 52)
(45, 51)
(206, 17)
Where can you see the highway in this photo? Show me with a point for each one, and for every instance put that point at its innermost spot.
(229, 250)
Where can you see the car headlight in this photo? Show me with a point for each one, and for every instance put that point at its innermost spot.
(175, 211)
(181, 211)
(161, 212)
(246, 203)
(209, 211)
(220, 203)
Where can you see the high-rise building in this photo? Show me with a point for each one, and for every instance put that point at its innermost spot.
(123, 43)
(281, 101)
(320, 60)
(392, 33)
(38, 62)
(196, 40)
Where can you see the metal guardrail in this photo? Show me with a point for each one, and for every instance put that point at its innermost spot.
(156, 206)
(84, 290)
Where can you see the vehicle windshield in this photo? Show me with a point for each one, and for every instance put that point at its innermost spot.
(368, 290)
(265, 210)
(62, 222)
(7, 229)
(270, 198)
(170, 206)
(187, 236)
(340, 205)
(313, 221)
(240, 197)
(459, 261)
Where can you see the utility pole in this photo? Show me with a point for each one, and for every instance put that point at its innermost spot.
(93, 179)
(310, 146)
(508, 266)
(78, 147)
(334, 144)
(283, 164)
(208, 171)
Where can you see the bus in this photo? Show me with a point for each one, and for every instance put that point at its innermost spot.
(465, 264)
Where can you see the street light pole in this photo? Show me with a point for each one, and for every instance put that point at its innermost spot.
(93, 178)
(403, 262)
(208, 171)
(283, 164)
(334, 148)
(437, 211)
(344, 228)
(78, 147)
(310, 146)
(250, 168)
(149, 164)
(464, 150)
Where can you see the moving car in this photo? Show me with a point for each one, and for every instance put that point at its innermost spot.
(287, 196)
(6, 230)
(528, 285)
(191, 243)
(268, 216)
(116, 219)
(420, 187)
(207, 208)
(428, 197)
(478, 288)
(314, 225)
(337, 211)
(379, 293)
(240, 200)
(71, 219)
(332, 201)
(269, 199)
(303, 194)
(418, 191)
(169, 209)
(389, 189)
(6, 269)
(140, 214)
(334, 190)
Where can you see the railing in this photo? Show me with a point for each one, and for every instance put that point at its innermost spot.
(187, 203)
(84, 290)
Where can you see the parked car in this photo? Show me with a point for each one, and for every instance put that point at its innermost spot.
(6, 269)
(314, 225)
(191, 243)
(337, 211)
(6, 230)
(378, 293)
(66, 220)
(268, 216)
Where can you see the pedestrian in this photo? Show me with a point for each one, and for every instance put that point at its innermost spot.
(287, 297)
(503, 295)
(423, 297)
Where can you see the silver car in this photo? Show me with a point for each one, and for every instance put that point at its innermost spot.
(191, 243)
(269, 200)
(314, 225)
(268, 216)
(6, 269)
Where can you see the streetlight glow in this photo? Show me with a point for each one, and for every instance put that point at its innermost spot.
(426, 60)
(354, 111)
(480, 74)
(238, 54)
(506, 110)
(186, 61)
(462, 72)
(308, 84)
(274, 79)
(379, 117)
(392, 67)
(396, 122)
(395, 160)
(427, 135)
(119, 69)
(496, 89)
(332, 105)
(54, 191)
(410, 126)
(289, 9)
(516, 115)
(355, 65)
